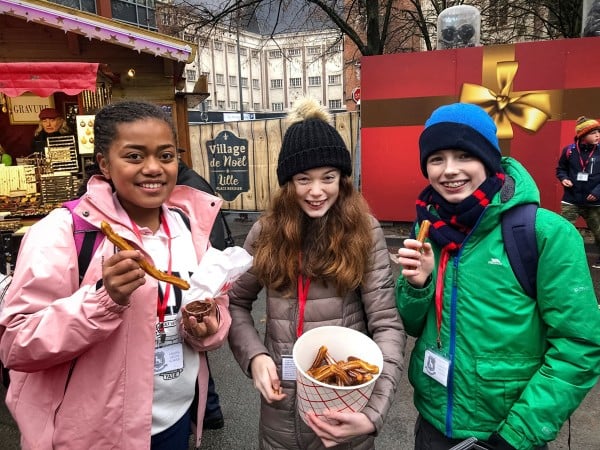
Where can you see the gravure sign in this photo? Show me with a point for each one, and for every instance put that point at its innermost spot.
(25, 108)
(228, 165)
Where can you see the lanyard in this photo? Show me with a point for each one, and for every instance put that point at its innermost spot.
(303, 286)
(583, 165)
(161, 305)
(439, 292)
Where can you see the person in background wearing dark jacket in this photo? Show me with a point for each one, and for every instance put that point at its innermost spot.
(579, 172)
(322, 259)
(51, 124)
(490, 362)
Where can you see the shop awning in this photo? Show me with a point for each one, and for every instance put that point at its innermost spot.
(45, 78)
(93, 26)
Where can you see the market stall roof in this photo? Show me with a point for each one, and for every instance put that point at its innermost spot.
(45, 78)
(93, 26)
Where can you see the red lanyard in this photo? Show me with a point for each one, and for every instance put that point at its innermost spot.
(161, 305)
(439, 292)
(583, 166)
(303, 286)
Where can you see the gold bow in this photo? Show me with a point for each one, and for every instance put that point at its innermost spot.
(529, 110)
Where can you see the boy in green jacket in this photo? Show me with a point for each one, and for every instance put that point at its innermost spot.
(491, 362)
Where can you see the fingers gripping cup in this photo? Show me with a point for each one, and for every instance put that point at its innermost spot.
(198, 309)
(315, 396)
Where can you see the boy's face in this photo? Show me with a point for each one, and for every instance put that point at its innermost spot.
(455, 174)
(591, 138)
(142, 165)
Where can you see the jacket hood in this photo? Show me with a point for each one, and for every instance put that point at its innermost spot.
(519, 186)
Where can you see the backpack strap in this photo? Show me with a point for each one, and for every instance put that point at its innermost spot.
(87, 238)
(518, 232)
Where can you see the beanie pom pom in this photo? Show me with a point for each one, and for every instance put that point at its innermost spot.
(307, 108)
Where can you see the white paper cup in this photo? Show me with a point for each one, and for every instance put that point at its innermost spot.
(315, 396)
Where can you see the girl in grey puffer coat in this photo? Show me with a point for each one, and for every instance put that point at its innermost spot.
(318, 234)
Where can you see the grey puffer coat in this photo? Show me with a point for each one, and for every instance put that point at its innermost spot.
(280, 423)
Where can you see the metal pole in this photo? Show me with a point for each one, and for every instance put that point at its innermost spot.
(239, 68)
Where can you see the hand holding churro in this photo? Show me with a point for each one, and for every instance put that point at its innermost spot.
(423, 231)
(416, 257)
(122, 244)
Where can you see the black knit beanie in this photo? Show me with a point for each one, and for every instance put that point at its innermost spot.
(310, 142)
(461, 126)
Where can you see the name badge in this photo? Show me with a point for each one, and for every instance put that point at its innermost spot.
(436, 366)
(582, 176)
(288, 368)
(168, 358)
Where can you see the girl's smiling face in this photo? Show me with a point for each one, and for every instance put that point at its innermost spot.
(455, 174)
(317, 190)
(142, 165)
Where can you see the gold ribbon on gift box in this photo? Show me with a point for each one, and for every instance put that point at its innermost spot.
(529, 110)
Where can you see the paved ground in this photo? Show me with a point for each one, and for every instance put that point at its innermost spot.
(240, 401)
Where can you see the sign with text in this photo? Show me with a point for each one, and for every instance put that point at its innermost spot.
(228, 165)
(25, 108)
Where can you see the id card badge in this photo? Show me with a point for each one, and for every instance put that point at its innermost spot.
(582, 176)
(436, 366)
(288, 368)
(168, 358)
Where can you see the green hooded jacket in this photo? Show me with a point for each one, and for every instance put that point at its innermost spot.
(518, 366)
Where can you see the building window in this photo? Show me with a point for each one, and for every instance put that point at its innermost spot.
(274, 53)
(221, 104)
(220, 78)
(207, 75)
(208, 104)
(218, 46)
(296, 82)
(277, 83)
(230, 48)
(293, 52)
(255, 83)
(82, 5)
(314, 81)
(336, 48)
(313, 51)
(233, 105)
(334, 79)
(335, 104)
(246, 106)
(189, 37)
(244, 82)
(190, 75)
(254, 54)
(139, 12)
(256, 106)
(232, 80)
(243, 52)
(277, 106)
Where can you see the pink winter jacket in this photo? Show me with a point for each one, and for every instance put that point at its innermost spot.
(82, 366)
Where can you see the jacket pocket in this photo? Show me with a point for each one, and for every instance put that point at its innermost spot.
(500, 382)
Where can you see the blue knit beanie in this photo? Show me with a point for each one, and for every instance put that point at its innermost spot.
(461, 126)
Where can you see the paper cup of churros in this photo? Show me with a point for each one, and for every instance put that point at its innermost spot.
(336, 369)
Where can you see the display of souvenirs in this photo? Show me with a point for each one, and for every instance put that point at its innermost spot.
(17, 180)
(85, 134)
(62, 153)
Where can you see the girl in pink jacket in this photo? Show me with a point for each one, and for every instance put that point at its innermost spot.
(108, 363)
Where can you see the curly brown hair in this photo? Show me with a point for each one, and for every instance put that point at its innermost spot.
(335, 248)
